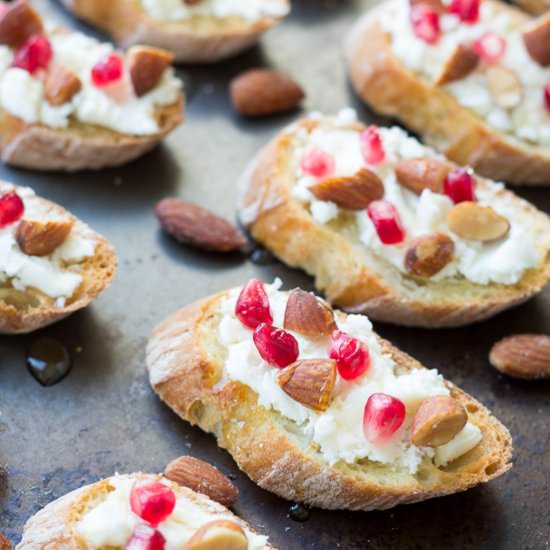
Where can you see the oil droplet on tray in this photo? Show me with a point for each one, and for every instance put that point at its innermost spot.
(48, 361)
(299, 512)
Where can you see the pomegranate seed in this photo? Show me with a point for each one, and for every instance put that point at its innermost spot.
(351, 356)
(459, 186)
(387, 222)
(145, 537)
(467, 10)
(276, 346)
(318, 164)
(152, 501)
(490, 47)
(108, 70)
(252, 306)
(425, 22)
(371, 146)
(547, 96)
(11, 208)
(383, 416)
(36, 53)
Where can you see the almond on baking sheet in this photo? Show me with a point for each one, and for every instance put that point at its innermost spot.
(419, 174)
(202, 477)
(504, 86)
(310, 382)
(352, 192)
(146, 65)
(39, 238)
(460, 64)
(198, 227)
(60, 85)
(474, 222)
(308, 315)
(537, 40)
(5, 544)
(221, 534)
(261, 92)
(429, 254)
(522, 356)
(18, 23)
(438, 420)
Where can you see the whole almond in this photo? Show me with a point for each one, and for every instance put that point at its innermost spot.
(419, 174)
(310, 382)
(202, 477)
(504, 86)
(5, 544)
(353, 192)
(147, 65)
(192, 2)
(308, 315)
(460, 64)
(522, 356)
(18, 23)
(436, 5)
(39, 238)
(429, 254)
(438, 420)
(221, 534)
(261, 92)
(198, 227)
(474, 222)
(60, 85)
(537, 40)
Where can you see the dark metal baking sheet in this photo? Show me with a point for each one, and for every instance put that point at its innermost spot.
(104, 417)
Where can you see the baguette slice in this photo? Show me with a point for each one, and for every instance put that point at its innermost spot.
(186, 368)
(32, 309)
(354, 278)
(54, 526)
(391, 89)
(200, 40)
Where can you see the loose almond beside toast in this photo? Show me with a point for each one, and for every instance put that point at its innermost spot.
(322, 411)
(389, 228)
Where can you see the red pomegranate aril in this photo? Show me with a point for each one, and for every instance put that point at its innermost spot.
(276, 346)
(107, 70)
(384, 415)
(145, 537)
(425, 23)
(318, 163)
(467, 10)
(490, 47)
(152, 501)
(351, 356)
(387, 222)
(11, 208)
(36, 53)
(547, 97)
(459, 186)
(371, 146)
(252, 306)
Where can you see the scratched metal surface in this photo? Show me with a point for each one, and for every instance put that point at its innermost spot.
(104, 417)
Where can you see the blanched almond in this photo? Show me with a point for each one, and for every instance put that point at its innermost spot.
(537, 40)
(473, 222)
(522, 356)
(504, 86)
(460, 64)
(146, 65)
(308, 315)
(310, 382)
(60, 85)
(419, 174)
(19, 23)
(429, 254)
(38, 238)
(353, 192)
(220, 534)
(438, 420)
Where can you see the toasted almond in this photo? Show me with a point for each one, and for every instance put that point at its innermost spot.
(192, 2)
(310, 382)
(504, 86)
(38, 238)
(352, 192)
(522, 356)
(60, 85)
(474, 222)
(308, 315)
(438, 420)
(537, 40)
(436, 5)
(18, 23)
(419, 174)
(220, 534)
(460, 64)
(5, 544)
(429, 254)
(203, 478)
(146, 65)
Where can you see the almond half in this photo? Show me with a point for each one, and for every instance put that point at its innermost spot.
(310, 382)
(353, 192)
(308, 315)
(504, 86)
(60, 85)
(39, 238)
(522, 356)
(537, 40)
(460, 64)
(202, 477)
(220, 534)
(474, 222)
(438, 420)
(146, 65)
(19, 23)
(429, 254)
(419, 174)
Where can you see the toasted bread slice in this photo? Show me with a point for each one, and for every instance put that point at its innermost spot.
(28, 309)
(201, 39)
(57, 525)
(390, 88)
(354, 276)
(187, 364)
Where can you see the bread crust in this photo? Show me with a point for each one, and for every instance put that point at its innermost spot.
(129, 24)
(186, 373)
(391, 89)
